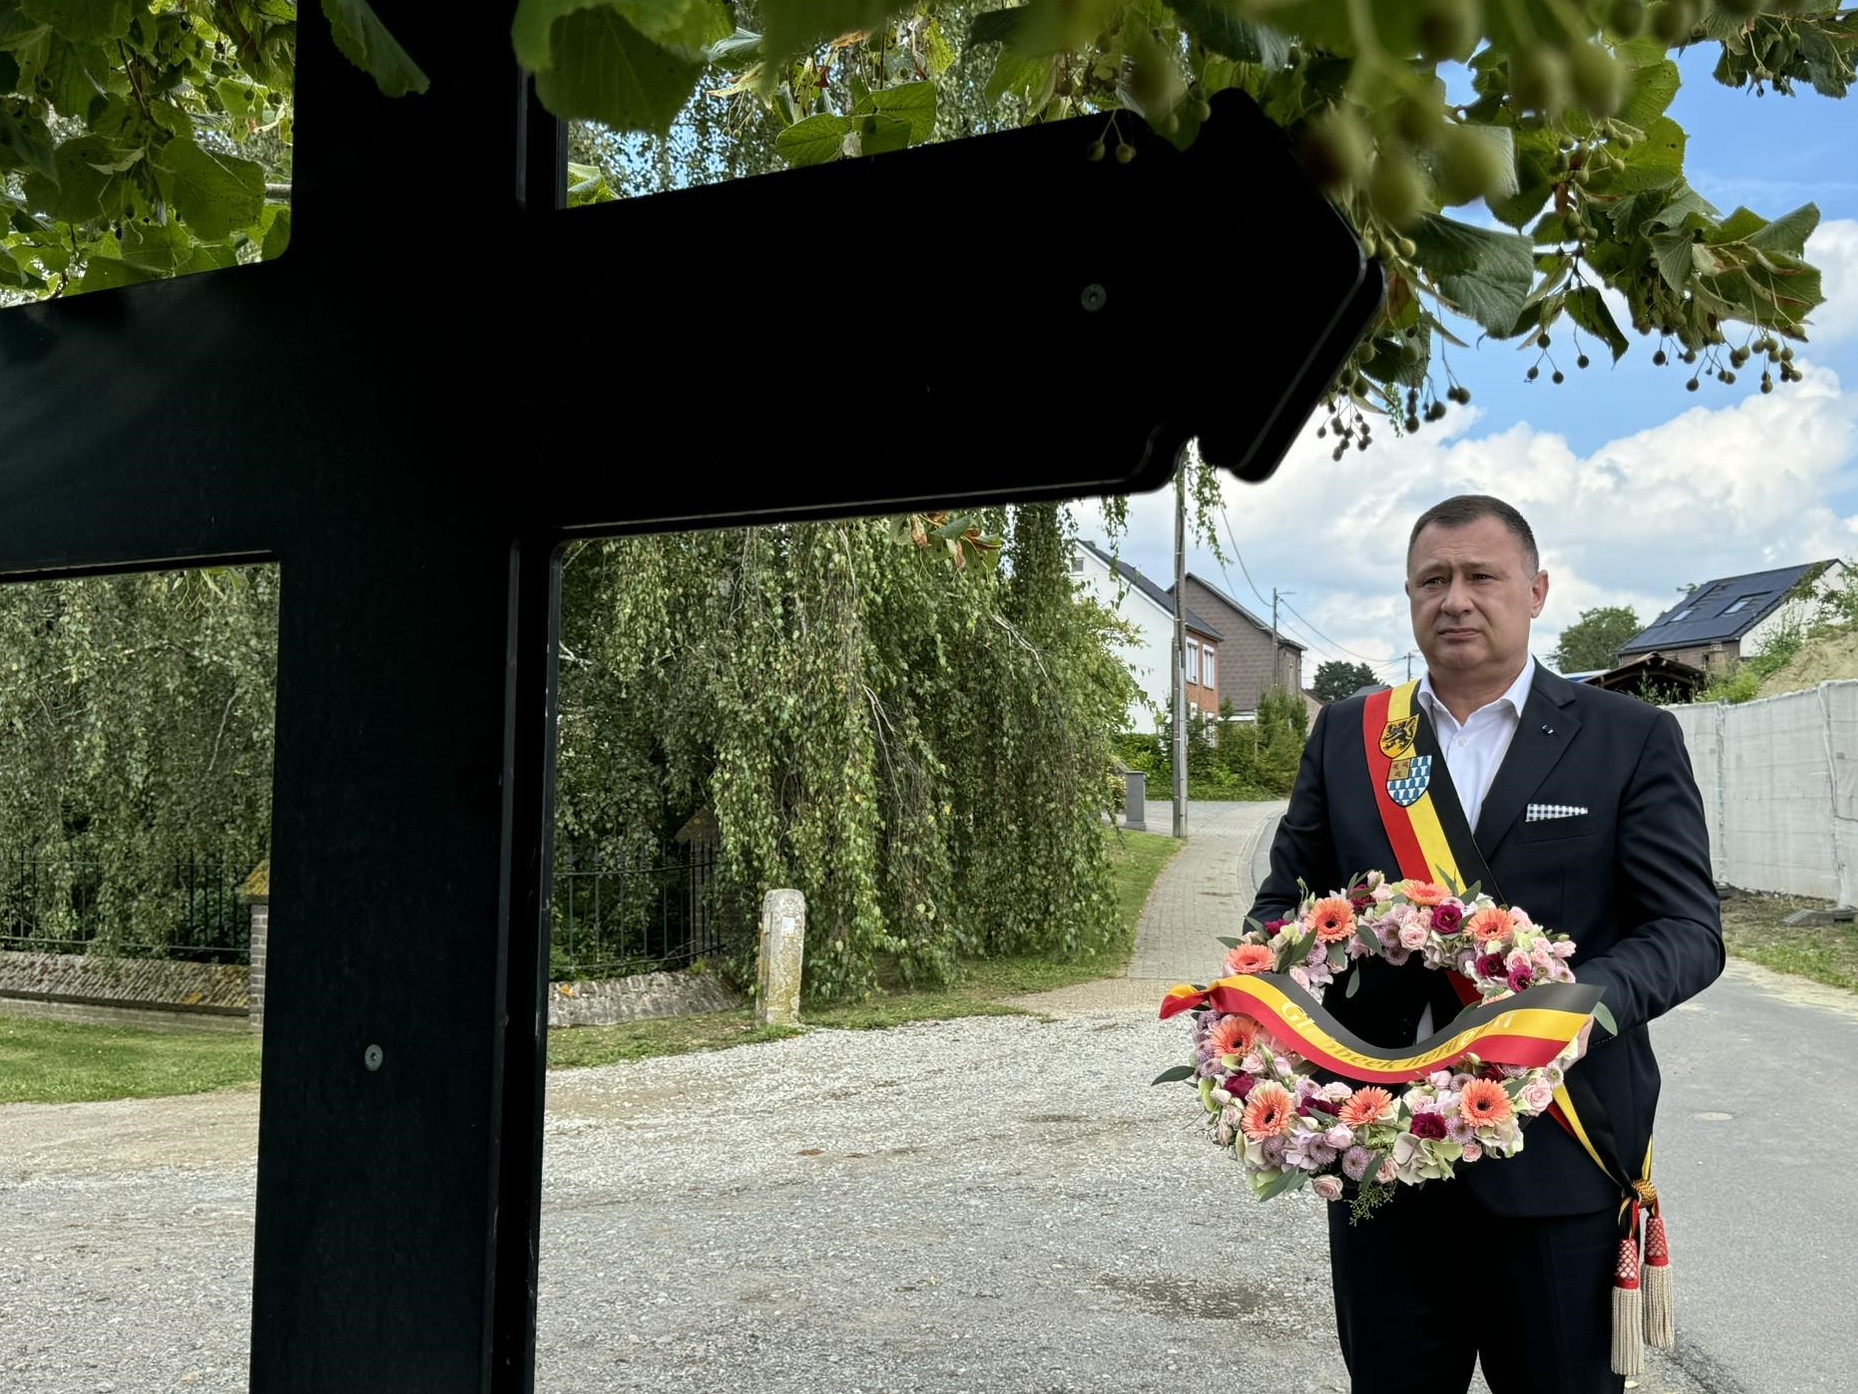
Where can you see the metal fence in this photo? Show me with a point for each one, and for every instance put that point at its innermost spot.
(186, 909)
(616, 915)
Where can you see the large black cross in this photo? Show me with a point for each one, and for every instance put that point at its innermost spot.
(445, 376)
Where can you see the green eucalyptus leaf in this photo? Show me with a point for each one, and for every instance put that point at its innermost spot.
(1604, 1016)
(366, 43)
(1173, 1073)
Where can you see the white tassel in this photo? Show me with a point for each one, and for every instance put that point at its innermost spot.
(1628, 1316)
(1660, 1309)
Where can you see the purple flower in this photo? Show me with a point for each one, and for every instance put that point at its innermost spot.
(1428, 1125)
(1447, 917)
(1520, 977)
(1355, 1163)
(1271, 1150)
(1457, 1130)
(1490, 965)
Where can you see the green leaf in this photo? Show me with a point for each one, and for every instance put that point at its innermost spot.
(1587, 308)
(1172, 1073)
(276, 232)
(1354, 985)
(1485, 275)
(25, 143)
(1788, 233)
(1657, 162)
(1218, 25)
(213, 193)
(878, 135)
(1280, 1185)
(994, 26)
(1228, 941)
(1603, 1015)
(796, 26)
(81, 21)
(1650, 89)
(815, 140)
(1019, 76)
(914, 104)
(1535, 181)
(605, 70)
(365, 42)
(109, 273)
(684, 24)
(85, 189)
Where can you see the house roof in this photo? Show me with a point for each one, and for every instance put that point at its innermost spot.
(1651, 669)
(1165, 599)
(1720, 610)
(1283, 639)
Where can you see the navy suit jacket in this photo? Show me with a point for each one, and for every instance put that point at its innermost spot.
(1629, 880)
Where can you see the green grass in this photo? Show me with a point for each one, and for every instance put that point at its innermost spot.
(56, 1062)
(1825, 953)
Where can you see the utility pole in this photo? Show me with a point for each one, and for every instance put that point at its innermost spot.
(1180, 650)
(1277, 663)
(1409, 663)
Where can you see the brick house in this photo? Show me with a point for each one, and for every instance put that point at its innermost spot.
(1149, 610)
(1252, 661)
(1724, 621)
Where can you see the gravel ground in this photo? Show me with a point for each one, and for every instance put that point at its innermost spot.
(990, 1203)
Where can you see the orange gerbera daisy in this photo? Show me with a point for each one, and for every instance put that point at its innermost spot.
(1268, 1111)
(1423, 892)
(1483, 1103)
(1233, 1035)
(1251, 958)
(1490, 924)
(1365, 1106)
(1332, 919)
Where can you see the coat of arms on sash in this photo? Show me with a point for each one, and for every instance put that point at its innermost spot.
(1407, 779)
(1397, 739)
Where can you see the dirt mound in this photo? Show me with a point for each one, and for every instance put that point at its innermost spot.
(1827, 659)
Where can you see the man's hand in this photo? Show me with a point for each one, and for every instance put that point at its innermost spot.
(1580, 1041)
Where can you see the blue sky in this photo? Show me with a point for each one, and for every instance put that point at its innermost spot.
(1634, 487)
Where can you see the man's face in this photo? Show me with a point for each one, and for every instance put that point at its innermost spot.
(1473, 595)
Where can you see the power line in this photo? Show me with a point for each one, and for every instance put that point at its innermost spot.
(1332, 643)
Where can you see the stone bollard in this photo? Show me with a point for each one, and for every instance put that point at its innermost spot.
(1135, 801)
(783, 944)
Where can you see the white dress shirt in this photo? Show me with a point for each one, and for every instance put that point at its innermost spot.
(1473, 751)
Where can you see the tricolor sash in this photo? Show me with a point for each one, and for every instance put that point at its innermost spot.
(1432, 841)
(1498, 1033)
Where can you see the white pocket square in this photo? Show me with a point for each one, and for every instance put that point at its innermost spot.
(1543, 812)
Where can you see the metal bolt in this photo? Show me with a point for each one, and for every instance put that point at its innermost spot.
(371, 1057)
(1093, 297)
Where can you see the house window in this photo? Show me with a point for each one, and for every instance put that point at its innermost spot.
(1077, 560)
(1682, 614)
(1741, 603)
(1193, 660)
(1208, 674)
(1193, 715)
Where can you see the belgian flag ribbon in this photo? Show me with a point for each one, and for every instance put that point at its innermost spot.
(1500, 1033)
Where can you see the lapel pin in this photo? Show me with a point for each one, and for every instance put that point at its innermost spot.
(1548, 730)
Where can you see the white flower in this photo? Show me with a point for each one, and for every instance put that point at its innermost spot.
(1440, 1079)
(1340, 1137)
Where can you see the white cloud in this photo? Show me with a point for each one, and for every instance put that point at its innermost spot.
(1833, 248)
(1767, 481)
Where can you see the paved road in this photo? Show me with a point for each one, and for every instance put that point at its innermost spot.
(948, 1207)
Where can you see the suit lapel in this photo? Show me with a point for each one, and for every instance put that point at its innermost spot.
(1546, 731)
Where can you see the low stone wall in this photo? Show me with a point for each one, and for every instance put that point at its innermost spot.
(641, 996)
(83, 980)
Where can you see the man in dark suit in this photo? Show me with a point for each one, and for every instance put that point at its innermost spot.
(1584, 807)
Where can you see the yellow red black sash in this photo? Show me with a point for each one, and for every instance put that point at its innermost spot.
(1528, 1032)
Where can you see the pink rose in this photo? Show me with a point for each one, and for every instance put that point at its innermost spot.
(1412, 937)
(1537, 1096)
(1329, 1187)
(1472, 1151)
(1340, 1137)
(1386, 1173)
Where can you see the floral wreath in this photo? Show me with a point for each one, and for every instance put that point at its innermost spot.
(1264, 1101)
